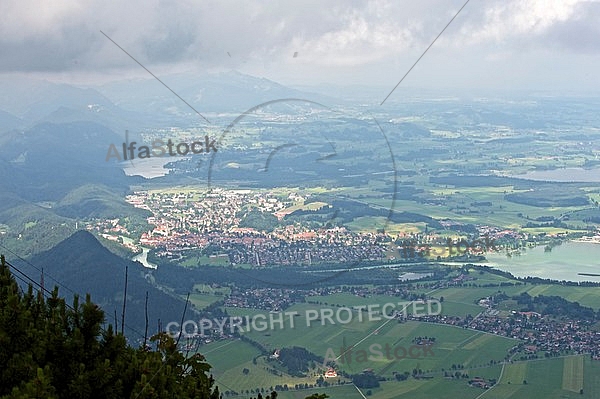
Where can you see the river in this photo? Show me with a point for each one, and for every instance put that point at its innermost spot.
(143, 257)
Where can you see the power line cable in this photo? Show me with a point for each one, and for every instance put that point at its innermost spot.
(48, 292)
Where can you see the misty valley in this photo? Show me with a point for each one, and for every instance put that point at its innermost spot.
(321, 214)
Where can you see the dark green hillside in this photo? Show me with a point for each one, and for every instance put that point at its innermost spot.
(9, 200)
(550, 196)
(52, 349)
(49, 160)
(80, 263)
(413, 130)
(96, 201)
(347, 210)
(32, 228)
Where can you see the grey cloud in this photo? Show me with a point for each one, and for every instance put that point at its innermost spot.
(157, 31)
(335, 37)
(581, 33)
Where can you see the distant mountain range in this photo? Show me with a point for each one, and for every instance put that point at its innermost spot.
(227, 92)
(30, 102)
(46, 162)
(53, 175)
(54, 139)
(138, 103)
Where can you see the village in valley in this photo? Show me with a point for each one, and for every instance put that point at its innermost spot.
(250, 228)
(254, 227)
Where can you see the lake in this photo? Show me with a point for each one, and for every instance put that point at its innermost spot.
(562, 263)
(564, 175)
(148, 168)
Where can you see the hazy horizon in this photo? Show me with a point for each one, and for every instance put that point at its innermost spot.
(549, 46)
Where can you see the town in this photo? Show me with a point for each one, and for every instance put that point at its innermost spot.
(257, 228)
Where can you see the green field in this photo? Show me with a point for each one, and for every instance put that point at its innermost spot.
(213, 260)
(472, 350)
(228, 360)
(586, 296)
(205, 295)
(545, 378)
(556, 378)
(200, 301)
(573, 374)
(453, 345)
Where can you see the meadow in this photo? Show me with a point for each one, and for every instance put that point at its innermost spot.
(557, 378)
(453, 346)
(478, 354)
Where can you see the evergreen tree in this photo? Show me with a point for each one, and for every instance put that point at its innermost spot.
(51, 350)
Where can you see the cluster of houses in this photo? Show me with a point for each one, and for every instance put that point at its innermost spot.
(192, 220)
(184, 221)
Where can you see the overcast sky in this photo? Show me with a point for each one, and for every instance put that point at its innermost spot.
(508, 44)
